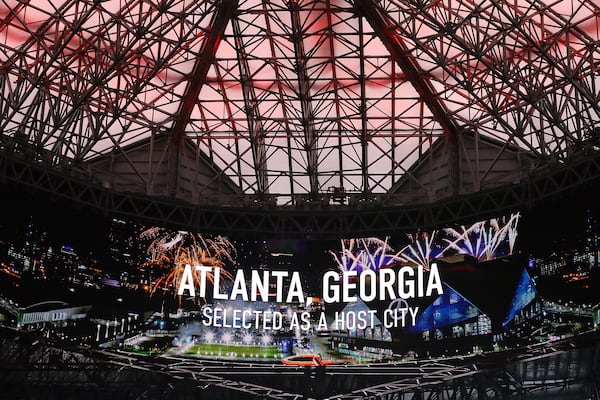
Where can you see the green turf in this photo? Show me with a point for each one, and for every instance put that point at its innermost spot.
(234, 350)
(143, 352)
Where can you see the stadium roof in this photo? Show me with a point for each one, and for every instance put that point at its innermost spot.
(180, 110)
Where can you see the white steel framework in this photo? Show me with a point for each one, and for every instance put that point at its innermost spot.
(297, 106)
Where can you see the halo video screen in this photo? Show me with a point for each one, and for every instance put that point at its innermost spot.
(243, 311)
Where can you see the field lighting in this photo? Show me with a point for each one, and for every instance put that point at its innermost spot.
(226, 338)
(248, 338)
(266, 339)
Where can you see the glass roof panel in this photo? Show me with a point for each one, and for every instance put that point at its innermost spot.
(295, 97)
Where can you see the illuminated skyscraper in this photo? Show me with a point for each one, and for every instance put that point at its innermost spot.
(125, 248)
(34, 247)
(591, 245)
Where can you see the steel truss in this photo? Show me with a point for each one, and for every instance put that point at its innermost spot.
(562, 370)
(300, 104)
(33, 370)
(371, 216)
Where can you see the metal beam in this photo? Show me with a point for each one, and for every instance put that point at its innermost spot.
(239, 216)
(197, 79)
(308, 118)
(253, 116)
(364, 134)
(33, 367)
(384, 27)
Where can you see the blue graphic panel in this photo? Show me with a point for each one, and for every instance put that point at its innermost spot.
(448, 309)
(524, 295)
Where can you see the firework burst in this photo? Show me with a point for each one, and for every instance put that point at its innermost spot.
(346, 260)
(421, 251)
(483, 240)
(466, 241)
(169, 252)
(364, 253)
(512, 231)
